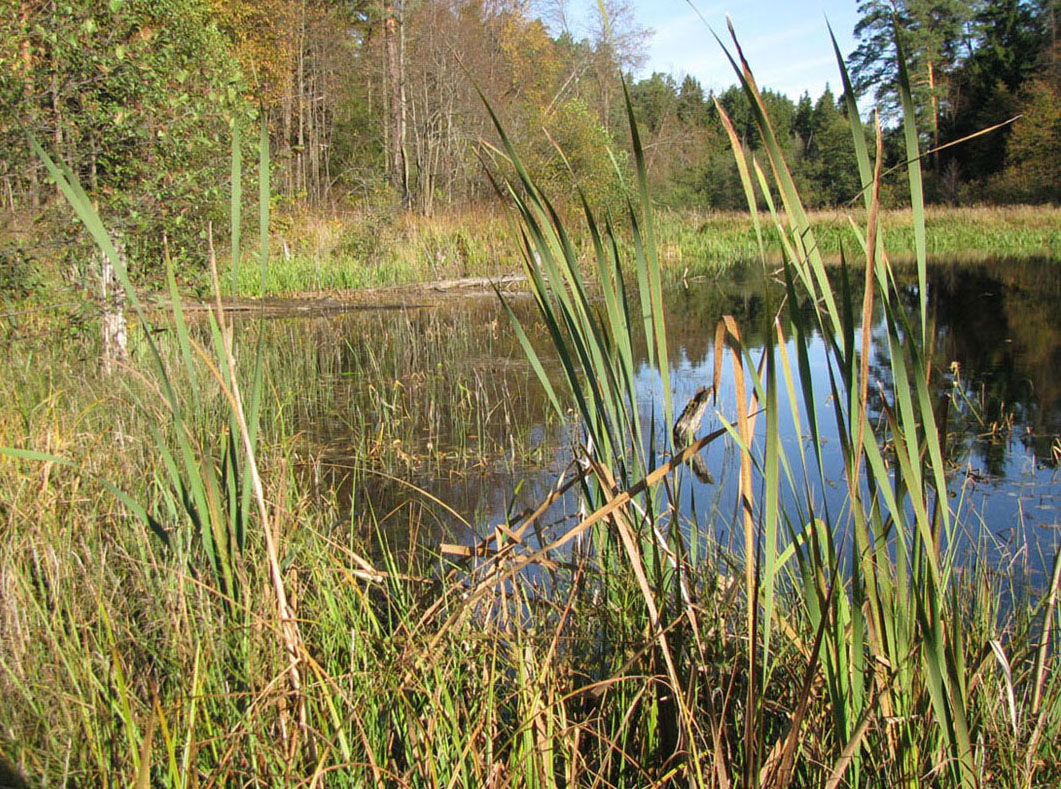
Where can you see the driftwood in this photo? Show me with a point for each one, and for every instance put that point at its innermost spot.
(479, 283)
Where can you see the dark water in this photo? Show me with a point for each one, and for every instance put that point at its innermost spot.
(477, 441)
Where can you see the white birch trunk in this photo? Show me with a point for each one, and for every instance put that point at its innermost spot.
(115, 336)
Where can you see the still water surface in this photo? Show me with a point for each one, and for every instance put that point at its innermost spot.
(436, 393)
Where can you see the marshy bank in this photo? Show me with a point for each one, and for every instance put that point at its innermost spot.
(386, 434)
(351, 250)
(205, 582)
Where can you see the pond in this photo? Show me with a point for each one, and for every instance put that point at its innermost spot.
(424, 411)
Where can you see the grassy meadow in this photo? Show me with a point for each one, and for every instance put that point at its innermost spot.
(359, 249)
(179, 606)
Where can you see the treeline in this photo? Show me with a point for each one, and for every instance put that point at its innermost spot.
(377, 101)
(689, 152)
(364, 100)
(973, 64)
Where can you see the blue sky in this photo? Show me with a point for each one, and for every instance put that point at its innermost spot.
(786, 43)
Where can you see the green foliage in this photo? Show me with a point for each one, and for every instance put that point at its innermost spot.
(1033, 153)
(935, 32)
(969, 63)
(782, 110)
(657, 97)
(578, 156)
(692, 108)
(691, 167)
(828, 163)
(18, 271)
(1013, 51)
(138, 99)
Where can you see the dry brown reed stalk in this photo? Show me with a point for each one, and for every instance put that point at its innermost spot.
(867, 309)
(503, 565)
(515, 535)
(623, 498)
(619, 520)
(780, 763)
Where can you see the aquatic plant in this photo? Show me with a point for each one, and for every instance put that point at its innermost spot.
(887, 682)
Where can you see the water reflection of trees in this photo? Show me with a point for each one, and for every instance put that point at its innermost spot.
(999, 321)
(694, 308)
(444, 379)
(997, 339)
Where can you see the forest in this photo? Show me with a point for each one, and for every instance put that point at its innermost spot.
(375, 104)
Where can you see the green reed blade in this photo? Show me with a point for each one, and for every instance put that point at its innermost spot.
(745, 178)
(810, 255)
(858, 137)
(532, 357)
(913, 169)
(181, 328)
(645, 244)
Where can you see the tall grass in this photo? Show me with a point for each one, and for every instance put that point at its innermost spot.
(181, 611)
(374, 246)
(883, 643)
(214, 483)
(360, 250)
(703, 241)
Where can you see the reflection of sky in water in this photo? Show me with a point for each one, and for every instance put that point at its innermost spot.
(1000, 323)
(1019, 505)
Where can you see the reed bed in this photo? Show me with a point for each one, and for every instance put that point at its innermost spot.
(178, 610)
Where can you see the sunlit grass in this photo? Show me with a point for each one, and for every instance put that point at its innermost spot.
(181, 606)
(702, 241)
(354, 250)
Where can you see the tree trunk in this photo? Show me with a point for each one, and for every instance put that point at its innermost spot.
(394, 78)
(300, 90)
(935, 116)
(286, 154)
(26, 55)
(57, 110)
(313, 160)
(115, 336)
